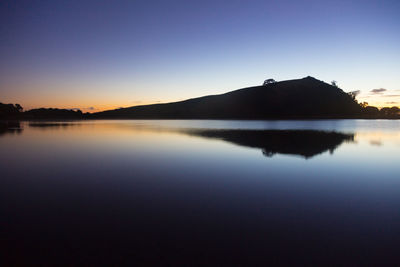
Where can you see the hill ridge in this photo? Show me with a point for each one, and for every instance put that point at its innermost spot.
(289, 98)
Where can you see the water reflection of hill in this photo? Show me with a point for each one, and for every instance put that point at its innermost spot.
(305, 143)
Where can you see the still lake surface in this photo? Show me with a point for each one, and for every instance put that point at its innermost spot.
(199, 192)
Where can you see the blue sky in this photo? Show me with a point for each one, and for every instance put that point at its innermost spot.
(97, 55)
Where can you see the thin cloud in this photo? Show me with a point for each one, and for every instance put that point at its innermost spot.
(84, 109)
(390, 95)
(375, 142)
(378, 91)
(391, 102)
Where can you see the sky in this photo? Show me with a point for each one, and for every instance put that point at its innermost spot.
(96, 55)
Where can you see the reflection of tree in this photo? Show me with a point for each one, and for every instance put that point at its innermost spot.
(268, 154)
(305, 143)
(51, 124)
(10, 127)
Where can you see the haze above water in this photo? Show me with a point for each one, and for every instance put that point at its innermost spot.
(201, 192)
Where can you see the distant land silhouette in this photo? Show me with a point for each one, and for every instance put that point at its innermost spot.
(53, 113)
(306, 98)
(10, 111)
(304, 143)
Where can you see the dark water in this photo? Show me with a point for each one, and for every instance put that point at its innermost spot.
(200, 193)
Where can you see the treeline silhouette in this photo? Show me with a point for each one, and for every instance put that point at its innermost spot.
(306, 98)
(11, 111)
(386, 112)
(53, 113)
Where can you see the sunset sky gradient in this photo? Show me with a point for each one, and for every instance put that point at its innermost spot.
(96, 55)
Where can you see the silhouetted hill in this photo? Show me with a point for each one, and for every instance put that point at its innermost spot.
(306, 98)
(302, 98)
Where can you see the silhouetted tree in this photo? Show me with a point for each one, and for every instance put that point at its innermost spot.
(371, 111)
(334, 83)
(354, 94)
(269, 81)
(10, 110)
(19, 107)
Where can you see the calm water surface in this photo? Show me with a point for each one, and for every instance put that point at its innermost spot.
(201, 192)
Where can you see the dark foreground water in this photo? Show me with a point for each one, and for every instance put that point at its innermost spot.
(200, 193)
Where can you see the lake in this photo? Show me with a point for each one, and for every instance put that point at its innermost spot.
(193, 192)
